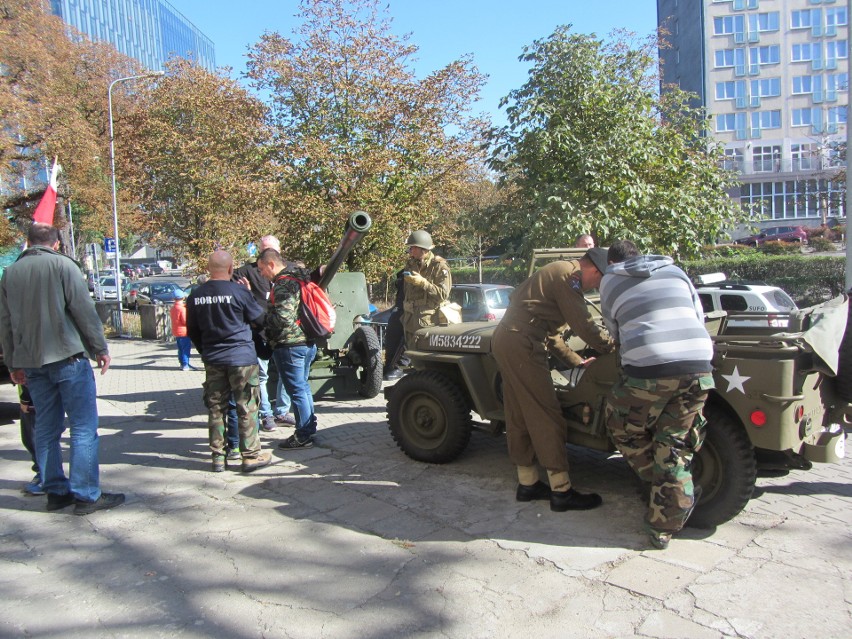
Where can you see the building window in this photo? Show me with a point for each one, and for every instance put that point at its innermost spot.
(766, 88)
(766, 158)
(766, 119)
(836, 50)
(803, 156)
(730, 89)
(727, 25)
(806, 117)
(730, 58)
(730, 122)
(803, 84)
(837, 82)
(765, 55)
(733, 160)
(806, 18)
(837, 115)
(836, 17)
(807, 51)
(793, 199)
(764, 21)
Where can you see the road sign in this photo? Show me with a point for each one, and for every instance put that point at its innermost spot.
(109, 245)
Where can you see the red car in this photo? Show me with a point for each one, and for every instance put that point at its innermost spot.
(776, 234)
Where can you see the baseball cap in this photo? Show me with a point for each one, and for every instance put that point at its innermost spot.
(597, 256)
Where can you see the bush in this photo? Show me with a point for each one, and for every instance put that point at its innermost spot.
(808, 280)
(822, 244)
(725, 250)
(779, 248)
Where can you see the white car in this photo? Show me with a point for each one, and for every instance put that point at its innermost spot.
(747, 304)
(105, 289)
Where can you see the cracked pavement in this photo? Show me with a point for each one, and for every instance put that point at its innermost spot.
(353, 539)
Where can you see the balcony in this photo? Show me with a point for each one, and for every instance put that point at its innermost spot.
(781, 166)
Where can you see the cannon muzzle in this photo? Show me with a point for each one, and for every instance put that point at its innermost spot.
(357, 225)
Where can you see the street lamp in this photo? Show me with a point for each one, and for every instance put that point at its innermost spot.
(114, 197)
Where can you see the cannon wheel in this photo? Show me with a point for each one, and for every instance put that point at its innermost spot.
(725, 468)
(429, 417)
(367, 358)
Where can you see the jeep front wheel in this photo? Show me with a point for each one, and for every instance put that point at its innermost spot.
(725, 468)
(429, 417)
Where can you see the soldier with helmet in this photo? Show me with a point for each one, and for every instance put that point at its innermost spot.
(427, 283)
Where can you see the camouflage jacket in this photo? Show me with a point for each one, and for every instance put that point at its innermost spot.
(282, 317)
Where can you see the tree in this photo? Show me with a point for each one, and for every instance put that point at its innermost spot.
(53, 103)
(355, 129)
(195, 151)
(590, 146)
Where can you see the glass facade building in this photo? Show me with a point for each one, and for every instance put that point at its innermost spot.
(151, 31)
(774, 76)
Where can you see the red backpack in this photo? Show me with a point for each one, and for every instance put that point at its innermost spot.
(316, 312)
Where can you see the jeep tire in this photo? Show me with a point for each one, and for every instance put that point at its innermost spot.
(429, 417)
(725, 468)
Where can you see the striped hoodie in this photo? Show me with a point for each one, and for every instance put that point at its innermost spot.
(653, 309)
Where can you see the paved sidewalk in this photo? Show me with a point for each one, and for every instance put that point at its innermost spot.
(353, 539)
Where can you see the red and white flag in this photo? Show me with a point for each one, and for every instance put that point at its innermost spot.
(45, 209)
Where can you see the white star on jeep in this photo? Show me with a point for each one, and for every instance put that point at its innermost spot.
(735, 380)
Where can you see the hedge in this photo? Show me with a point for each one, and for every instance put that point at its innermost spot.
(808, 280)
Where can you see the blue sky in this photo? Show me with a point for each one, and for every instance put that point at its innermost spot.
(494, 31)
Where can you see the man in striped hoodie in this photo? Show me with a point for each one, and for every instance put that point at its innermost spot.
(652, 310)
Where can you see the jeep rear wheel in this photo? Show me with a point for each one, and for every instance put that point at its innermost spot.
(429, 417)
(366, 356)
(725, 468)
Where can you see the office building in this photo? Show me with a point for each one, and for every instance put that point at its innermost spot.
(774, 76)
(151, 31)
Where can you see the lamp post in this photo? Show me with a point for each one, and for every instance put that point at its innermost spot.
(114, 197)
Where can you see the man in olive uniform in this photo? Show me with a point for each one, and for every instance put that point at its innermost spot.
(427, 285)
(540, 310)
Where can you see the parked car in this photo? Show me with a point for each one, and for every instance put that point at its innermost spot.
(748, 305)
(105, 288)
(156, 269)
(151, 292)
(481, 302)
(776, 234)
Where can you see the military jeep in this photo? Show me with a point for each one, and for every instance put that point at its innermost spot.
(775, 405)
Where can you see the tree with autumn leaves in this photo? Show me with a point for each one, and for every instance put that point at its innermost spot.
(354, 128)
(53, 103)
(345, 124)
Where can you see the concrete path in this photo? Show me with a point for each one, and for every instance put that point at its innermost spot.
(351, 539)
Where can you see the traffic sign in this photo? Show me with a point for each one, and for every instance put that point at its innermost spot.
(109, 245)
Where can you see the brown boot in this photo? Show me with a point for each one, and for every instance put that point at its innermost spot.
(251, 464)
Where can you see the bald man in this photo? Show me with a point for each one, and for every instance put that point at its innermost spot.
(219, 318)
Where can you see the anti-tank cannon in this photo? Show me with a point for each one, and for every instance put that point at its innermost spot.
(350, 361)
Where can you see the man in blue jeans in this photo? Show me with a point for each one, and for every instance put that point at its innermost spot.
(292, 352)
(49, 328)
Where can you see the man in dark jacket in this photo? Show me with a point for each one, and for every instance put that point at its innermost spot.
(219, 318)
(49, 329)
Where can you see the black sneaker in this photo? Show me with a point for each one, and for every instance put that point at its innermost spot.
(294, 442)
(58, 502)
(392, 374)
(104, 502)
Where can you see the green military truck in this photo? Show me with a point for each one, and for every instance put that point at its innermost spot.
(776, 405)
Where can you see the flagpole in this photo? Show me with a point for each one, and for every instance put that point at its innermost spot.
(118, 327)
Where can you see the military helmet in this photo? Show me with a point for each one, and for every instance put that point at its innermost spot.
(421, 239)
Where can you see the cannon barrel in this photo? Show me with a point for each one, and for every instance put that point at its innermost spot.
(356, 226)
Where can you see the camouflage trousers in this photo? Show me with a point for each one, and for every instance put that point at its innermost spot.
(658, 426)
(221, 382)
